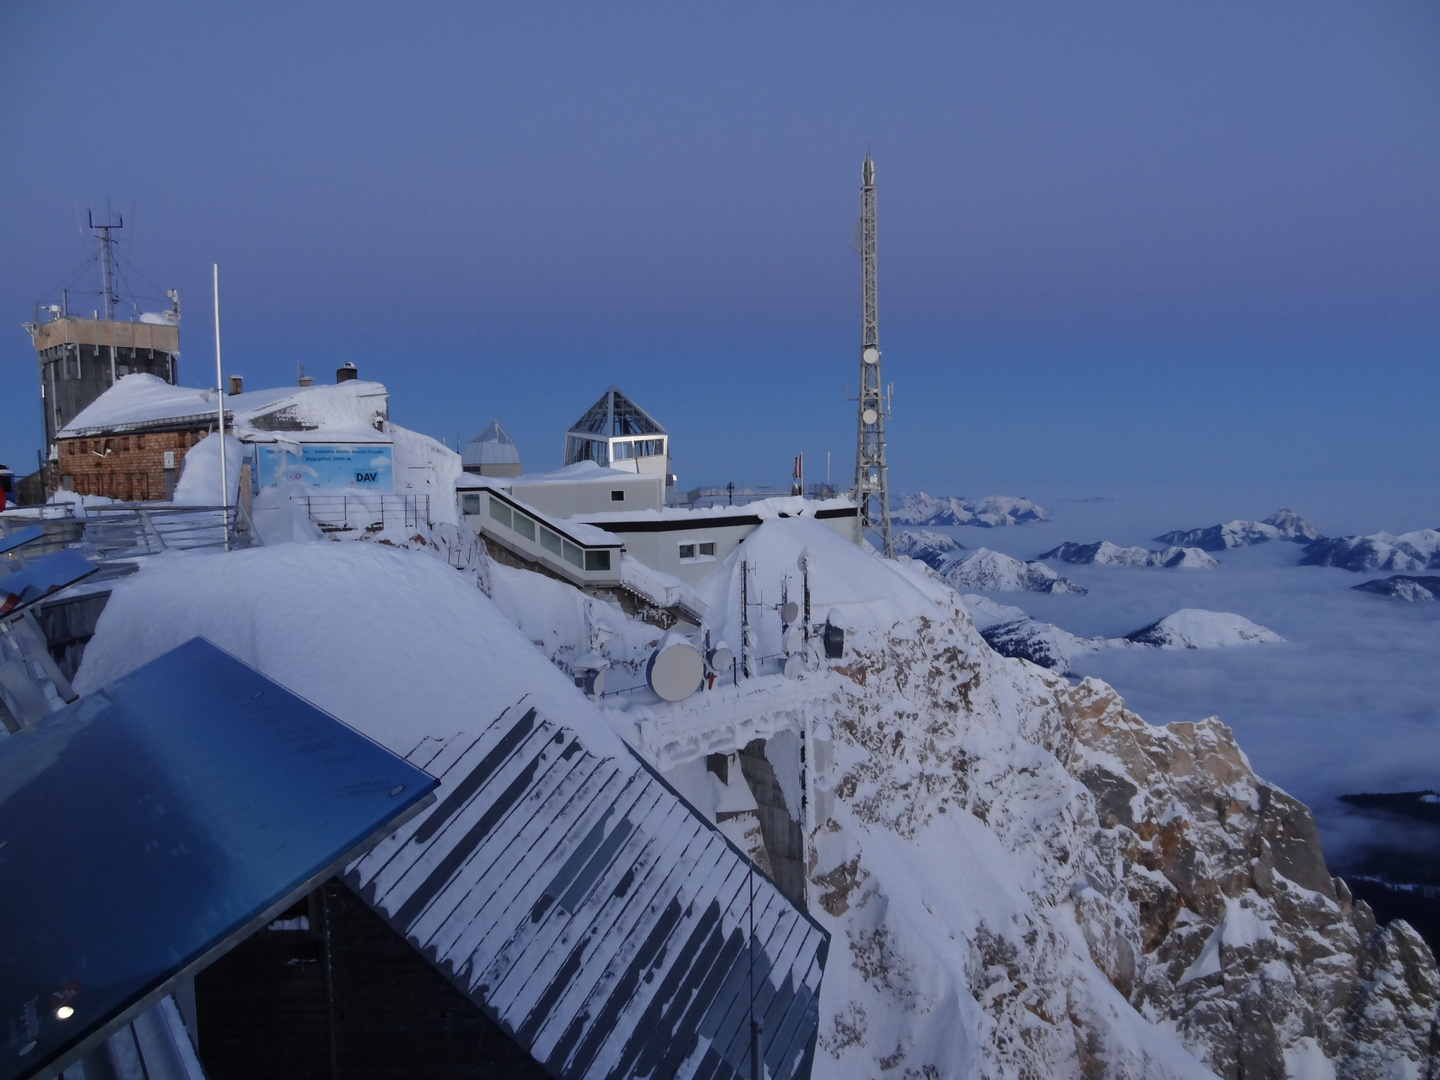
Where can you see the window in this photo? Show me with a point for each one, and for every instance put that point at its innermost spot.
(550, 541)
(574, 555)
(697, 551)
(500, 512)
(470, 503)
(597, 560)
(524, 526)
(687, 551)
(617, 496)
(708, 549)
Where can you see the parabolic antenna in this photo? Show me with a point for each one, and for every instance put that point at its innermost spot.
(789, 612)
(793, 641)
(871, 355)
(794, 666)
(675, 670)
(869, 416)
(721, 658)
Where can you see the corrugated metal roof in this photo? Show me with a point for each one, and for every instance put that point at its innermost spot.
(592, 913)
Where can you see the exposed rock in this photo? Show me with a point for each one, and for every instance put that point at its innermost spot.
(932, 548)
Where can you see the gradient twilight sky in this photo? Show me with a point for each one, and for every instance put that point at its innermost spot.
(1121, 244)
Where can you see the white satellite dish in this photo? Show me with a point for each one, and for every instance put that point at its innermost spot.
(721, 658)
(789, 612)
(793, 641)
(869, 416)
(675, 670)
(871, 355)
(794, 666)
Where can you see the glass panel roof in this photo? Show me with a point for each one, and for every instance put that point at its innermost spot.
(154, 820)
(615, 414)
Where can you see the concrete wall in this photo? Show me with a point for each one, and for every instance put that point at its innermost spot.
(562, 499)
(782, 832)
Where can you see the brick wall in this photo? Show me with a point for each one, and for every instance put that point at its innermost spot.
(129, 467)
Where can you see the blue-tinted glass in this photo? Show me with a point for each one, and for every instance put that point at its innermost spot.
(149, 822)
(41, 578)
(19, 537)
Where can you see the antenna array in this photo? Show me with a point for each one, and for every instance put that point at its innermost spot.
(871, 484)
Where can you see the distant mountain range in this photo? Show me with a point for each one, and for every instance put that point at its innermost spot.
(1403, 587)
(1105, 553)
(987, 513)
(1189, 628)
(1419, 550)
(994, 572)
(1284, 524)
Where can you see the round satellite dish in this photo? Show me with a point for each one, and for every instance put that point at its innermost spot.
(674, 672)
(721, 658)
(793, 641)
(869, 416)
(834, 617)
(789, 612)
(597, 682)
(871, 355)
(794, 665)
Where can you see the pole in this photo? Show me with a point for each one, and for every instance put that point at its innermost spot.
(754, 1025)
(220, 417)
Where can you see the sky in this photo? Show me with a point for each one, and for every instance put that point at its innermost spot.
(1122, 246)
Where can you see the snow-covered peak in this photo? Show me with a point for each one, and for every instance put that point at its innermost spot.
(1419, 550)
(1284, 524)
(1104, 553)
(1291, 525)
(989, 512)
(992, 571)
(932, 548)
(1195, 628)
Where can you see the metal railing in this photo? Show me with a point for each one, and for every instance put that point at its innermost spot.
(126, 530)
(366, 513)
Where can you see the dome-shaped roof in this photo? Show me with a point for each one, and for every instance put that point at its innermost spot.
(491, 447)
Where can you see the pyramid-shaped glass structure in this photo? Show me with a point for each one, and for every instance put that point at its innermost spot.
(617, 433)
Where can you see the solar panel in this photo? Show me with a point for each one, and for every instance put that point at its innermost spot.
(41, 578)
(156, 822)
(20, 537)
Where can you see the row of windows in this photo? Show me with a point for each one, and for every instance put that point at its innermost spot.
(697, 551)
(529, 528)
(638, 448)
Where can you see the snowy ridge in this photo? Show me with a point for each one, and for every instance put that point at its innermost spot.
(989, 512)
(1284, 524)
(1192, 628)
(1419, 550)
(1404, 587)
(1105, 553)
(994, 572)
(931, 548)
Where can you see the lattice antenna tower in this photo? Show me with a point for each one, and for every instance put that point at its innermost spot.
(872, 491)
(107, 260)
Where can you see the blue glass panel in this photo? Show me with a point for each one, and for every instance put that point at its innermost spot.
(149, 823)
(41, 578)
(19, 537)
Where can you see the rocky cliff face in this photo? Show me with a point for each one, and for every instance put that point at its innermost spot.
(1234, 932)
(1024, 879)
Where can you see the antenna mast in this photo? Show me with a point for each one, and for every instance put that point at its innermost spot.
(107, 261)
(871, 485)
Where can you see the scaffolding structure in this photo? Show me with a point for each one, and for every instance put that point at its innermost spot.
(872, 492)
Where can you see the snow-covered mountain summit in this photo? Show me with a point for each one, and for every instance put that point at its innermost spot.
(1193, 628)
(989, 512)
(990, 571)
(1104, 553)
(1408, 552)
(1284, 524)
(931, 548)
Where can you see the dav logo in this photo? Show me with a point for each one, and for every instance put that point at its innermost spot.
(366, 477)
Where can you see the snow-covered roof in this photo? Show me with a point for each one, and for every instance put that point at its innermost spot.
(491, 447)
(759, 510)
(141, 401)
(582, 472)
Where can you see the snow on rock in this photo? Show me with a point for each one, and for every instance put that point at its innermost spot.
(199, 483)
(1105, 553)
(1195, 628)
(989, 512)
(994, 572)
(1284, 524)
(1419, 550)
(931, 548)
(1040, 643)
(986, 612)
(1404, 587)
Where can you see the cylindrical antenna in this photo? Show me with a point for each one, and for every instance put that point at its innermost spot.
(220, 418)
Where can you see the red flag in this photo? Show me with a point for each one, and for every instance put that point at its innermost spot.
(799, 473)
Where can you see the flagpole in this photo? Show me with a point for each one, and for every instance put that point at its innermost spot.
(220, 418)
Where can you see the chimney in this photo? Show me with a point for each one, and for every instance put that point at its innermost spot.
(345, 372)
(301, 379)
(236, 384)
